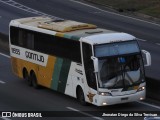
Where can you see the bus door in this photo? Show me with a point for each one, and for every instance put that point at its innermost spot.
(89, 71)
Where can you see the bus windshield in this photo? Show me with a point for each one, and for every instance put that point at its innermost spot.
(120, 65)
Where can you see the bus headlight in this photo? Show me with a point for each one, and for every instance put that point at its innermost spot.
(105, 93)
(141, 89)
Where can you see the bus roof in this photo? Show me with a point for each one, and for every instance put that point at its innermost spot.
(71, 29)
(58, 25)
(108, 38)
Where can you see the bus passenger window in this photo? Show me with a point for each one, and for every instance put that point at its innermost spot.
(21, 37)
(14, 35)
(30, 41)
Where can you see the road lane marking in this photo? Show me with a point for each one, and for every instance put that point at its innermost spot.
(5, 118)
(142, 40)
(157, 43)
(89, 115)
(19, 6)
(25, 8)
(147, 104)
(7, 56)
(2, 82)
(115, 13)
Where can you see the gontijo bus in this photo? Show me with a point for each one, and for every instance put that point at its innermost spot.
(94, 65)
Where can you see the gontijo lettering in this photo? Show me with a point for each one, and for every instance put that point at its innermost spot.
(29, 55)
(34, 56)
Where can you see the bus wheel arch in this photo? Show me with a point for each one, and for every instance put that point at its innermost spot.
(80, 95)
(34, 79)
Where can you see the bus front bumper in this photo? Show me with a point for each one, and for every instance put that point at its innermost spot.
(110, 100)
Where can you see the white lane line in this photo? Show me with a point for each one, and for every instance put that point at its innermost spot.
(2, 82)
(142, 40)
(7, 56)
(25, 8)
(114, 13)
(150, 105)
(5, 118)
(157, 43)
(89, 115)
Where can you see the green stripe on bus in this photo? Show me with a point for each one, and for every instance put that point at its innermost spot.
(75, 37)
(64, 75)
(71, 37)
(67, 36)
(56, 73)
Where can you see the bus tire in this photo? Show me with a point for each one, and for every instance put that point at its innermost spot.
(27, 77)
(34, 81)
(80, 96)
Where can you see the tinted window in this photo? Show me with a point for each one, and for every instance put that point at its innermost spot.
(14, 35)
(22, 38)
(58, 46)
(49, 44)
(88, 64)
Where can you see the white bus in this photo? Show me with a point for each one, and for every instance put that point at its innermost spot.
(94, 65)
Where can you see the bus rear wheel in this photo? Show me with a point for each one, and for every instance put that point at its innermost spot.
(27, 77)
(34, 81)
(80, 97)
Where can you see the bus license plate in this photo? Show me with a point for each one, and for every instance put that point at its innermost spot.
(126, 98)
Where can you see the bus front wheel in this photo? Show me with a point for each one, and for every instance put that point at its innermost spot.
(80, 97)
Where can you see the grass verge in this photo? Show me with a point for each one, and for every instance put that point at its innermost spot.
(148, 7)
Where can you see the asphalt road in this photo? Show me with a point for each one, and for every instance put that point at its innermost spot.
(15, 95)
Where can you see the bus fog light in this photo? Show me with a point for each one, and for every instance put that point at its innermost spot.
(105, 93)
(104, 103)
(141, 89)
(141, 98)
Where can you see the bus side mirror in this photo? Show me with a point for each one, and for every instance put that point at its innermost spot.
(147, 58)
(95, 62)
